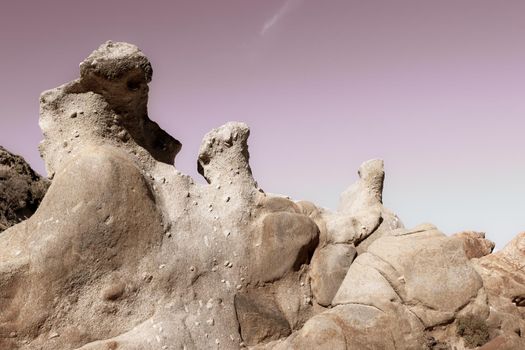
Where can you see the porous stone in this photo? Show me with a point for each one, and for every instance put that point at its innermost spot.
(126, 252)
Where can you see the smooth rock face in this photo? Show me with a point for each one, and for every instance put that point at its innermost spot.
(21, 189)
(126, 252)
(260, 319)
(504, 280)
(328, 270)
(424, 270)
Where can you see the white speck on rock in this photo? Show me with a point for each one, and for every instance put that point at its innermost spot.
(53, 335)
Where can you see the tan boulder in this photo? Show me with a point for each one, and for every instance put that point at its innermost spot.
(125, 252)
(475, 244)
(504, 280)
(328, 269)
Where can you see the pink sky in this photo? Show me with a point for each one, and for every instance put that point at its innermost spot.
(435, 88)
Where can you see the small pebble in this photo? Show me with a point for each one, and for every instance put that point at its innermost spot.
(73, 115)
(227, 199)
(192, 268)
(239, 286)
(210, 322)
(226, 263)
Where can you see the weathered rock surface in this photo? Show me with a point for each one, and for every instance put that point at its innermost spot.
(21, 189)
(328, 270)
(503, 276)
(475, 244)
(125, 252)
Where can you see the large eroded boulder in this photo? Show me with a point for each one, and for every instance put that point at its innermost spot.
(125, 252)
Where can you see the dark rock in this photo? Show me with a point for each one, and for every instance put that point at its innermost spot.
(21, 189)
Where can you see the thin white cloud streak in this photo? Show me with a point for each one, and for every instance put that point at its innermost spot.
(287, 7)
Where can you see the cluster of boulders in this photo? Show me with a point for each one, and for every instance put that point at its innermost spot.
(126, 252)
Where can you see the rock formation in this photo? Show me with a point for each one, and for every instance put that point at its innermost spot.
(126, 252)
(21, 189)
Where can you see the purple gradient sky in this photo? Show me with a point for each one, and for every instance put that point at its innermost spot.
(435, 88)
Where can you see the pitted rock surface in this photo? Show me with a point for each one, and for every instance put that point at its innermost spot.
(126, 252)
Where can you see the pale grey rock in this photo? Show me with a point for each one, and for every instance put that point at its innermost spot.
(424, 269)
(361, 212)
(224, 157)
(109, 102)
(123, 242)
(360, 220)
(422, 272)
(125, 252)
(389, 223)
(356, 327)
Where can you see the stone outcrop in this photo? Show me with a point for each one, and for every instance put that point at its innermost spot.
(475, 244)
(21, 189)
(126, 252)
